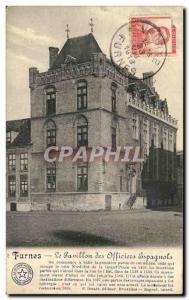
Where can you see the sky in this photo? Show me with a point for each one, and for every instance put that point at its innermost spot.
(31, 30)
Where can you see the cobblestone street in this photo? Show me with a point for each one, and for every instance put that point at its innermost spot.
(124, 228)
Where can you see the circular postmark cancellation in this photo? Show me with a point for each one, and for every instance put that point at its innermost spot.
(139, 48)
(22, 274)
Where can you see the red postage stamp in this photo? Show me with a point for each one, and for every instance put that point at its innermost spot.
(153, 35)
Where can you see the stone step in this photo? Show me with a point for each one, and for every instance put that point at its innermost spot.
(140, 202)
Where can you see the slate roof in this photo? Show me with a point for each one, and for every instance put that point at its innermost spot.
(24, 134)
(81, 48)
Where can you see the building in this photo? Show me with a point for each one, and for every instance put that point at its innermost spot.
(83, 100)
(180, 178)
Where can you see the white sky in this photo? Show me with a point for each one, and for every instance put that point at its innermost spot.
(31, 30)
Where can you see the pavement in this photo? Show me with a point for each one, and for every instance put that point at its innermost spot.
(131, 228)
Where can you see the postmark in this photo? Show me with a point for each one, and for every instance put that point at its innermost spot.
(131, 48)
(22, 274)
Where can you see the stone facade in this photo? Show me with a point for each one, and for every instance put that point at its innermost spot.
(110, 185)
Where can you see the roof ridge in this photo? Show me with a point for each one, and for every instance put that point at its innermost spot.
(81, 48)
(80, 36)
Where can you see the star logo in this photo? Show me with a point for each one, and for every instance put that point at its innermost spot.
(22, 274)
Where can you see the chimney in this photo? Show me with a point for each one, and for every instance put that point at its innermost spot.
(53, 53)
(148, 78)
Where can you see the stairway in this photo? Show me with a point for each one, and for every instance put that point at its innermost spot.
(136, 202)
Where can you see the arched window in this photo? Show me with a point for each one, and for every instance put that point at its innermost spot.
(50, 134)
(50, 100)
(82, 132)
(114, 89)
(51, 177)
(81, 94)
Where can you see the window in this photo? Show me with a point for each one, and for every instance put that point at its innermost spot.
(114, 88)
(82, 131)
(171, 141)
(121, 183)
(24, 161)
(165, 138)
(113, 138)
(82, 95)
(12, 162)
(51, 101)
(156, 135)
(146, 136)
(51, 177)
(8, 136)
(12, 186)
(51, 134)
(82, 135)
(135, 126)
(82, 178)
(23, 185)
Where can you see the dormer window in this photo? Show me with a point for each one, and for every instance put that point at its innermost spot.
(50, 101)
(70, 59)
(132, 89)
(143, 95)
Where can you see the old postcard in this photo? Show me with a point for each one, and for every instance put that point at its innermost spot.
(94, 139)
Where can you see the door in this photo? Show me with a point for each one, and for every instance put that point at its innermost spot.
(13, 206)
(108, 202)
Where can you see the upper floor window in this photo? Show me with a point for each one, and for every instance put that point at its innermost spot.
(23, 185)
(12, 186)
(8, 136)
(113, 138)
(12, 162)
(82, 131)
(51, 134)
(82, 177)
(24, 161)
(82, 94)
(146, 136)
(51, 100)
(171, 140)
(82, 135)
(51, 177)
(114, 100)
(156, 135)
(165, 138)
(135, 126)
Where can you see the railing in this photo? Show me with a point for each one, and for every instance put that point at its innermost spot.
(131, 200)
(137, 103)
(68, 71)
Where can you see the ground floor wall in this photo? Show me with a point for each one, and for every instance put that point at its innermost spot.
(73, 202)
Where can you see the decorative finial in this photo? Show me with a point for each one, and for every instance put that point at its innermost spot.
(91, 24)
(67, 30)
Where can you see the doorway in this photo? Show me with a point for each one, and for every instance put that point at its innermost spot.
(13, 206)
(108, 202)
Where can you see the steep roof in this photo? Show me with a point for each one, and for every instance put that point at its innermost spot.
(81, 48)
(23, 137)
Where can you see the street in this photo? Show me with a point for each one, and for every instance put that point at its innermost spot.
(134, 228)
